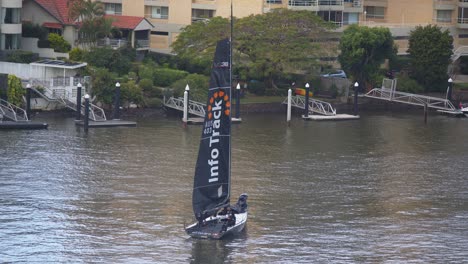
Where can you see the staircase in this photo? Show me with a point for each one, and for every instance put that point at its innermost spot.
(62, 96)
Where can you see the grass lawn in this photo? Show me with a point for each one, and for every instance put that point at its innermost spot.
(461, 86)
(254, 99)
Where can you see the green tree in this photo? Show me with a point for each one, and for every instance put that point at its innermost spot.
(430, 50)
(94, 25)
(15, 90)
(289, 44)
(292, 41)
(198, 85)
(363, 50)
(117, 61)
(103, 83)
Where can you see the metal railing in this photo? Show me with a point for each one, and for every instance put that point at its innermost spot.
(195, 108)
(12, 111)
(63, 97)
(390, 94)
(315, 106)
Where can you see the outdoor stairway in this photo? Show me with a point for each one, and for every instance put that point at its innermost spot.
(194, 107)
(96, 113)
(315, 106)
(12, 112)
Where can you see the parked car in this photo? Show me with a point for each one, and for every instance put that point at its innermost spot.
(336, 74)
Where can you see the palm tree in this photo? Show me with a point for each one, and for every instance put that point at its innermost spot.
(93, 25)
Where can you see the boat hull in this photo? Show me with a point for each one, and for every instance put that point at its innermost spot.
(214, 227)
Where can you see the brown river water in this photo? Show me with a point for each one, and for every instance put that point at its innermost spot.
(383, 189)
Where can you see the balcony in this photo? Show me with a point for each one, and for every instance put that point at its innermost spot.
(462, 23)
(310, 5)
(331, 5)
(444, 5)
(142, 44)
(462, 3)
(113, 43)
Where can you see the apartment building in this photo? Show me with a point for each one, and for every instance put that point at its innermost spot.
(10, 24)
(400, 16)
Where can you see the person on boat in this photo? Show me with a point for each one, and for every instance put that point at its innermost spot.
(231, 217)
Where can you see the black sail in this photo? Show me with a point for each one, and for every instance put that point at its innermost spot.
(212, 173)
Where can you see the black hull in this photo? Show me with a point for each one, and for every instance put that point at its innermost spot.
(214, 228)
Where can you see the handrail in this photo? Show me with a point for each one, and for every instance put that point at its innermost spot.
(195, 107)
(315, 105)
(63, 96)
(12, 111)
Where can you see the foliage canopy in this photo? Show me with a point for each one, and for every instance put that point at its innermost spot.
(290, 43)
(363, 50)
(430, 50)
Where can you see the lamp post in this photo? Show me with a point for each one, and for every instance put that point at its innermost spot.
(356, 88)
(117, 101)
(449, 89)
(28, 100)
(306, 106)
(238, 100)
(187, 88)
(86, 117)
(78, 101)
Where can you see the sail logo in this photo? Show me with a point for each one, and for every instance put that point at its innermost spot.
(214, 114)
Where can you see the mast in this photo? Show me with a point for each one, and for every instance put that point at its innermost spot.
(230, 96)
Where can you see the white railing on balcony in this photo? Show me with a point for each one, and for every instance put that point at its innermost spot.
(303, 3)
(462, 20)
(114, 43)
(330, 2)
(142, 43)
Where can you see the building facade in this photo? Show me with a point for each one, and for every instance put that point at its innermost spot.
(400, 16)
(10, 24)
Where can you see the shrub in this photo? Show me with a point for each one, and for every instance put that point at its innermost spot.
(198, 85)
(154, 102)
(20, 56)
(146, 84)
(406, 84)
(257, 88)
(108, 58)
(165, 76)
(132, 93)
(58, 43)
(15, 90)
(76, 54)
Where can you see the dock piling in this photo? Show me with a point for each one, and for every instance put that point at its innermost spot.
(86, 117)
(288, 113)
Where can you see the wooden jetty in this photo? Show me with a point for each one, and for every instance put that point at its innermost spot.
(107, 123)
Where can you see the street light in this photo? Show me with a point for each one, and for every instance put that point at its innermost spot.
(306, 107)
(356, 88)
(238, 100)
(78, 101)
(449, 89)
(117, 101)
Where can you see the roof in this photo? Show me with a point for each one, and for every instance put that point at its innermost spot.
(59, 64)
(52, 25)
(127, 22)
(57, 8)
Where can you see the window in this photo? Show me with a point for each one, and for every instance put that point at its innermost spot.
(10, 41)
(375, 12)
(161, 12)
(198, 14)
(11, 15)
(444, 16)
(350, 18)
(332, 16)
(113, 9)
(273, 1)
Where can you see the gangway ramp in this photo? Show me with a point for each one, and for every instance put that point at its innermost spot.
(12, 112)
(315, 106)
(388, 93)
(324, 110)
(194, 107)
